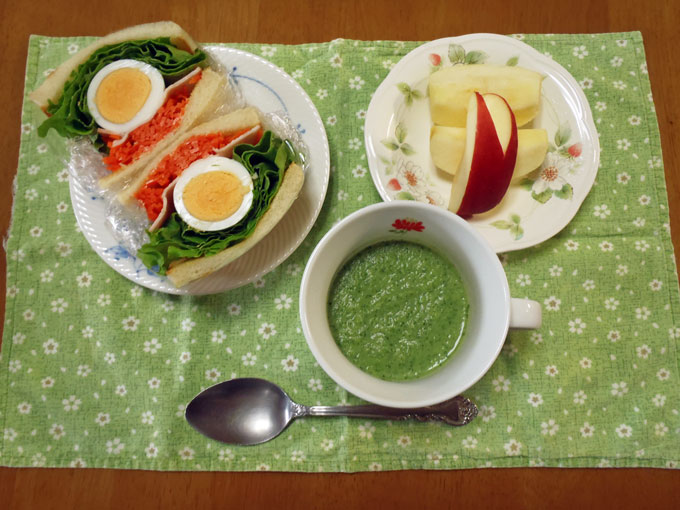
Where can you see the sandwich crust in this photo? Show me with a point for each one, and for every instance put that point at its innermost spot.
(51, 89)
(187, 271)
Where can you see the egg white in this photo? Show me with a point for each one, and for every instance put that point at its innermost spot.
(146, 112)
(211, 164)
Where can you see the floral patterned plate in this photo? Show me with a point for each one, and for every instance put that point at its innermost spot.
(272, 90)
(397, 136)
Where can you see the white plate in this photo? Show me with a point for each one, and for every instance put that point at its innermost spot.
(271, 90)
(527, 215)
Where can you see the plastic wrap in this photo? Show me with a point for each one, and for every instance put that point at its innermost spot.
(127, 223)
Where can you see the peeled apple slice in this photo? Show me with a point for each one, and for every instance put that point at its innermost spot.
(447, 145)
(450, 89)
(489, 157)
(532, 147)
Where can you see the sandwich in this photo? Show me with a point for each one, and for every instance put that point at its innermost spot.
(132, 93)
(212, 194)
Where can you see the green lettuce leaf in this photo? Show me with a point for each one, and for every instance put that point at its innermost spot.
(70, 116)
(175, 240)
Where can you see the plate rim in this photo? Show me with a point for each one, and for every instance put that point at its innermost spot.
(584, 117)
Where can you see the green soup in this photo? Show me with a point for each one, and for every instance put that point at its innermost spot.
(398, 310)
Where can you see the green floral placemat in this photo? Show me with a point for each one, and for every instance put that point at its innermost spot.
(96, 371)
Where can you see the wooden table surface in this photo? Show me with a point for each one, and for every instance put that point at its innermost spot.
(296, 22)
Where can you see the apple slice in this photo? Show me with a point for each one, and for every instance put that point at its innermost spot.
(450, 88)
(489, 158)
(532, 147)
(447, 145)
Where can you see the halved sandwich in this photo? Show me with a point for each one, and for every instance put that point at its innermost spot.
(214, 193)
(131, 92)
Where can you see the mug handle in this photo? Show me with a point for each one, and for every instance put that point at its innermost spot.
(525, 314)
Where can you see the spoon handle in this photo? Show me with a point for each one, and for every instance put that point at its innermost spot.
(456, 411)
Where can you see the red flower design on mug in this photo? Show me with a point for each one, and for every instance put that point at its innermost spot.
(407, 224)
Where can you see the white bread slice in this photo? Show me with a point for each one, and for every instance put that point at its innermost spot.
(52, 88)
(204, 99)
(227, 151)
(187, 271)
(229, 123)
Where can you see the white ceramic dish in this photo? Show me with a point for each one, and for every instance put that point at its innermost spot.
(271, 90)
(492, 310)
(399, 115)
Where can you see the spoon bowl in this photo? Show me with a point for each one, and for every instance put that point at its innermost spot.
(241, 411)
(250, 411)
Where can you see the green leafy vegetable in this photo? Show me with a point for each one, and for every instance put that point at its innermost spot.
(70, 116)
(266, 162)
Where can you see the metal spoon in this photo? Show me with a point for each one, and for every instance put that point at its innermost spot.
(250, 411)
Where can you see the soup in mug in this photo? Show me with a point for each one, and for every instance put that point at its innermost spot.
(398, 310)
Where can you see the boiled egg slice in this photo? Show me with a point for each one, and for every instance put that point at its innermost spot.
(213, 193)
(125, 94)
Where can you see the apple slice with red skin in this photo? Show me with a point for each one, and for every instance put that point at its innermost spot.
(489, 158)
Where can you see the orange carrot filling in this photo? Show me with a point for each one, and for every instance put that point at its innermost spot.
(171, 166)
(145, 137)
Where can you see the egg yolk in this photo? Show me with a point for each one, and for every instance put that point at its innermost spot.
(122, 93)
(214, 196)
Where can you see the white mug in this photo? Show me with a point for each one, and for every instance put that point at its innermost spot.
(491, 312)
